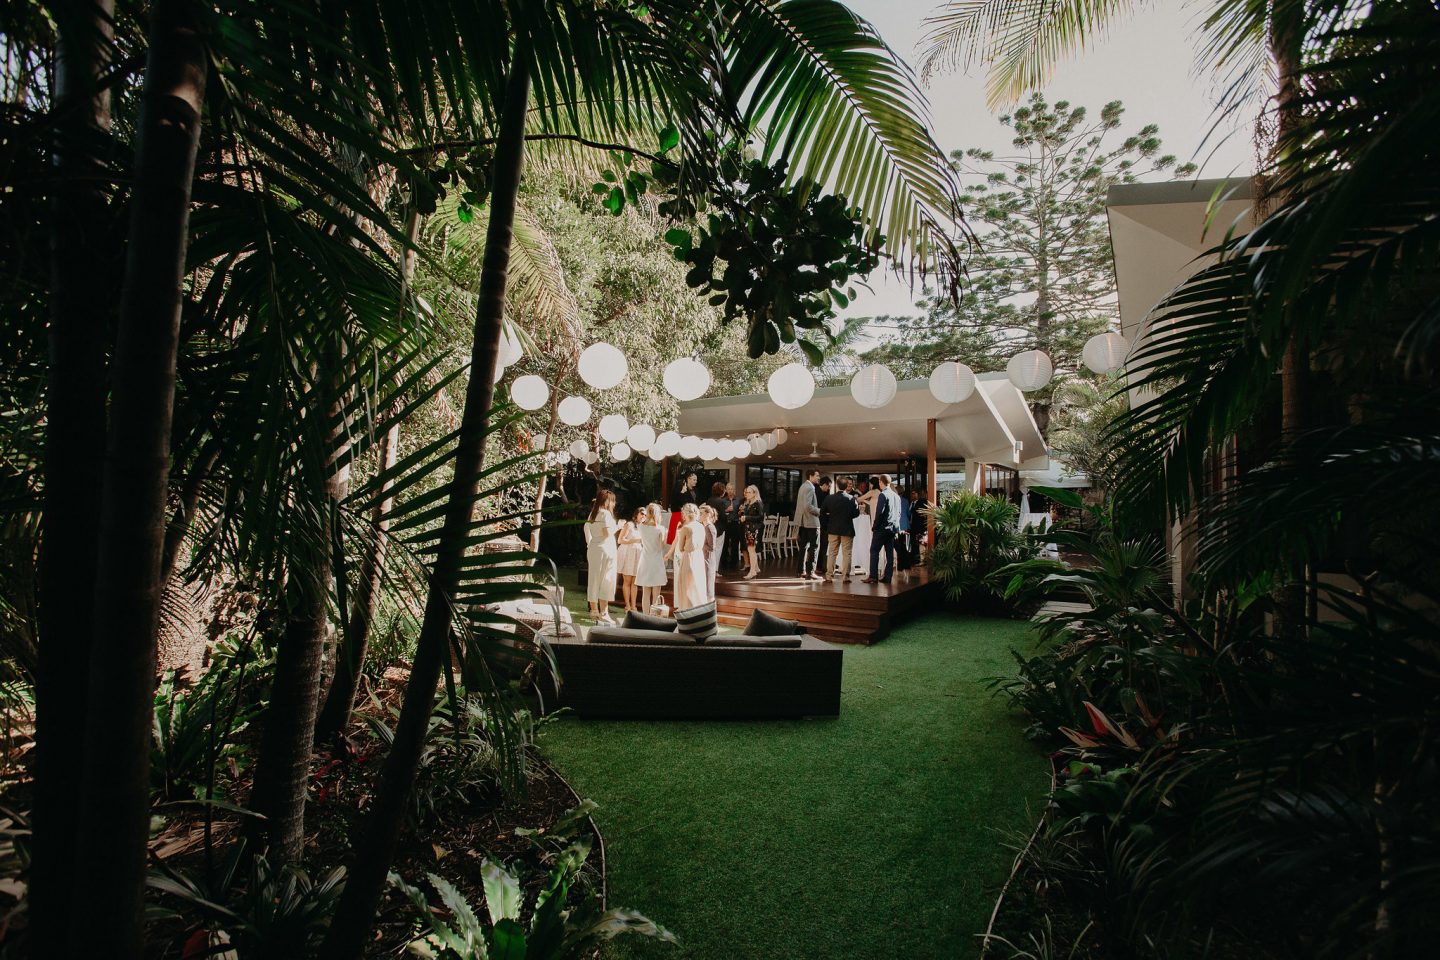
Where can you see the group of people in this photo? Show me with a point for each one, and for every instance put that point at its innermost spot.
(636, 554)
(838, 521)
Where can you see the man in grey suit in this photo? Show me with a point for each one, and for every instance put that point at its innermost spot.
(807, 517)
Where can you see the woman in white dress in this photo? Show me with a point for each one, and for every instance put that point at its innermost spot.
(689, 552)
(650, 574)
(600, 554)
(628, 556)
(861, 546)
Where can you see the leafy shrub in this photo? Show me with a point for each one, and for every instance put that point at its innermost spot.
(977, 536)
(557, 929)
(194, 729)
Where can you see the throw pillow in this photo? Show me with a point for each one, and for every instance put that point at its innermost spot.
(635, 620)
(764, 624)
(697, 623)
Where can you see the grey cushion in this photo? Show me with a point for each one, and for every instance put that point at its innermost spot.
(635, 620)
(789, 642)
(660, 638)
(764, 624)
(697, 623)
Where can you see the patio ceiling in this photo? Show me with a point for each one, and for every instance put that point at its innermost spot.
(985, 427)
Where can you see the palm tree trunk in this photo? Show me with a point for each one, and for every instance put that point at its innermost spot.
(340, 699)
(350, 929)
(75, 416)
(115, 805)
(282, 772)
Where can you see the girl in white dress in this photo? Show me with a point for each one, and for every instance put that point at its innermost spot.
(600, 555)
(650, 574)
(628, 556)
(689, 552)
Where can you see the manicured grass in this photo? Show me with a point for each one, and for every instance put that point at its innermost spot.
(877, 834)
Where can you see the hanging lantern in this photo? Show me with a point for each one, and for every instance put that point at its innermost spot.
(578, 449)
(1030, 370)
(656, 455)
(757, 444)
(1105, 352)
(689, 447)
(952, 382)
(613, 428)
(668, 443)
(590, 457)
(781, 436)
(620, 452)
(574, 411)
(791, 387)
(724, 449)
(686, 378)
(561, 458)
(641, 437)
(530, 392)
(709, 448)
(770, 441)
(739, 449)
(873, 386)
(602, 366)
(510, 348)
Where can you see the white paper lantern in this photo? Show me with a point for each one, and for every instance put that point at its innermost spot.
(952, 382)
(689, 447)
(656, 455)
(757, 445)
(739, 449)
(620, 452)
(561, 458)
(686, 378)
(791, 387)
(574, 411)
(613, 428)
(668, 443)
(1030, 370)
(781, 436)
(873, 386)
(602, 366)
(770, 441)
(641, 437)
(1105, 352)
(709, 448)
(530, 392)
(510, 348)
(590, 457)
(578, 448)
(724, 449)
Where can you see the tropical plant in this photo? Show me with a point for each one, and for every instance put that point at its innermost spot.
(976, 537)
(557, 930)
(195, 728)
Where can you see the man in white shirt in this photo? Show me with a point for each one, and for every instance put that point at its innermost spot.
(807, 518)
(884, 525)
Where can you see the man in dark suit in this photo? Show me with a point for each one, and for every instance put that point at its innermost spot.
(837, 519)
(885, 523)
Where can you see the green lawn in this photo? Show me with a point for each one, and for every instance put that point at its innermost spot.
(877, 834)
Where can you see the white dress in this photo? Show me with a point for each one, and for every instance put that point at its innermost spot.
(690, 580)
(600, 555)
(651, 572)
(860, 549)
(628, 554)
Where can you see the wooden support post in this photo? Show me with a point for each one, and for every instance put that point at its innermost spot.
(665, 483)
(931, 481)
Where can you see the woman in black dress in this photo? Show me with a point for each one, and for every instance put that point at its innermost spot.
(752, 524)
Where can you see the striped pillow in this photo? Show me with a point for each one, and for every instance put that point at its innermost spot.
(697, 623)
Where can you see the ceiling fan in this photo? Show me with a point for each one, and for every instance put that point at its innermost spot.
(817, 454)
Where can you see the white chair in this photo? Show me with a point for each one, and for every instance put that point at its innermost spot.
(770, 537)
(792, 537)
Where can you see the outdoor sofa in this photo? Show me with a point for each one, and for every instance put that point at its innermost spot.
(634, 672)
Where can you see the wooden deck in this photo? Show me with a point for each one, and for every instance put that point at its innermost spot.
(851, 612)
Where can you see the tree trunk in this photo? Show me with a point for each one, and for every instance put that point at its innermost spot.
(282, 771)
(80, 303)
(349, 931)
(340, 699)
(115, 806)
(185, 512)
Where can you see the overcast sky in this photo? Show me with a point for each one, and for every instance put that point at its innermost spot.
(1147, 63)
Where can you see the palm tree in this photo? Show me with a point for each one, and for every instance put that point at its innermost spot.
(115, 809)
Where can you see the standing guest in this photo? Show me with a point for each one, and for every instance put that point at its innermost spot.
(713, 538)
(824, 488)
(720, 504)
(884, 522)
(917, 525)
(807, 518)
(865, 500)
(902, 532)
(684, 494)
(731, 524)
(650, 575)
(627, 557)
(689, 553)
(840, 512)
(600, 556)
(752, 524)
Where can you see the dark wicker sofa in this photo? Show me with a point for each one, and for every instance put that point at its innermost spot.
(652, 674)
